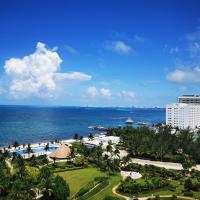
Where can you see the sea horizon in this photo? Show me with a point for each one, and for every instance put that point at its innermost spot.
(80, 106)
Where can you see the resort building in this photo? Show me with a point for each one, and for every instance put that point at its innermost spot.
(101, 140)
(62, 152)
(190, 99)
(183, 115)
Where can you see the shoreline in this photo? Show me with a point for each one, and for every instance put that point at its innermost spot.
(44, 143)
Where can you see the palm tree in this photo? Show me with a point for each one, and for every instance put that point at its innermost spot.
(6, 154)
(72, 151)
(46, 148)
(117, 152)
(15, 144)
(81, 139)
(33, 161)
(60, 188)
(91, 136)
(76, 136)
(29, 150)
(45, 182)
(54, 160)
(109, 148)
(14, 155)
(20, 165)
(126, 159)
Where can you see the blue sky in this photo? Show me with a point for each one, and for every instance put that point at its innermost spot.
(99, 53)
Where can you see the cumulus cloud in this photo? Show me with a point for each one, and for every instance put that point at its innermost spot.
(105, 92)
(118, 47)
(92, 91)
(127, 94)
(37, 74)
(191, 75)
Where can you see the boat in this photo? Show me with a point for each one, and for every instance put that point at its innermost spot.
(142, 123)
(97, 128)
(90, 127)
(129, 121)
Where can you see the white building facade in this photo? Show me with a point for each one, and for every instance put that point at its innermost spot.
(183, 115)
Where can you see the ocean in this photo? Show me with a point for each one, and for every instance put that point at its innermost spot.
(30, 124)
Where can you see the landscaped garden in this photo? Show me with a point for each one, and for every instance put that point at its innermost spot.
(92, 173)
(160, 181)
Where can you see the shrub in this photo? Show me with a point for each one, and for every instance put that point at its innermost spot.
(95, 190)
(85, 189)
(157, 197)
(188, 193)
(174, 197)
(90, 185)
(111, 198)
(133, 187)
(100, 178)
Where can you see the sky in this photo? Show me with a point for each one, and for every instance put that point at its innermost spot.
(98, 53)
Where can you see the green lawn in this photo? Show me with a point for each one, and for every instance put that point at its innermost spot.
(79, 178)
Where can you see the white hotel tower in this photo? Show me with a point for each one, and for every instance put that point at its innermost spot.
(185, 113)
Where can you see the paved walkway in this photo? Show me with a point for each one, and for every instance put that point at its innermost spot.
(167, 165)
(10, 166)
(166, 196)
(114, 191)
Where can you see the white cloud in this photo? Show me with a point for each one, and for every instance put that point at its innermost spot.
(73, 76)
(118, 47)
(92, 91)
(37, 74)
(191, 75)
(105, 92)
(70, 49)
(127, 94)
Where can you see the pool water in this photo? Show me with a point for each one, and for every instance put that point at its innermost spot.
(37, 150)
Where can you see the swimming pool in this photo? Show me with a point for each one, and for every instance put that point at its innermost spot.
(37, 150)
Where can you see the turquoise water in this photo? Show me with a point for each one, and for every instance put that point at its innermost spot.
(37, 150)
(28, 124)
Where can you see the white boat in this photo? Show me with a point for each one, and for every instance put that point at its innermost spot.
(97, 127)
(129, 121)
(90, 127)
(142, 123)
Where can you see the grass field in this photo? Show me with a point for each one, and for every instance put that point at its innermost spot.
(79, 178)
